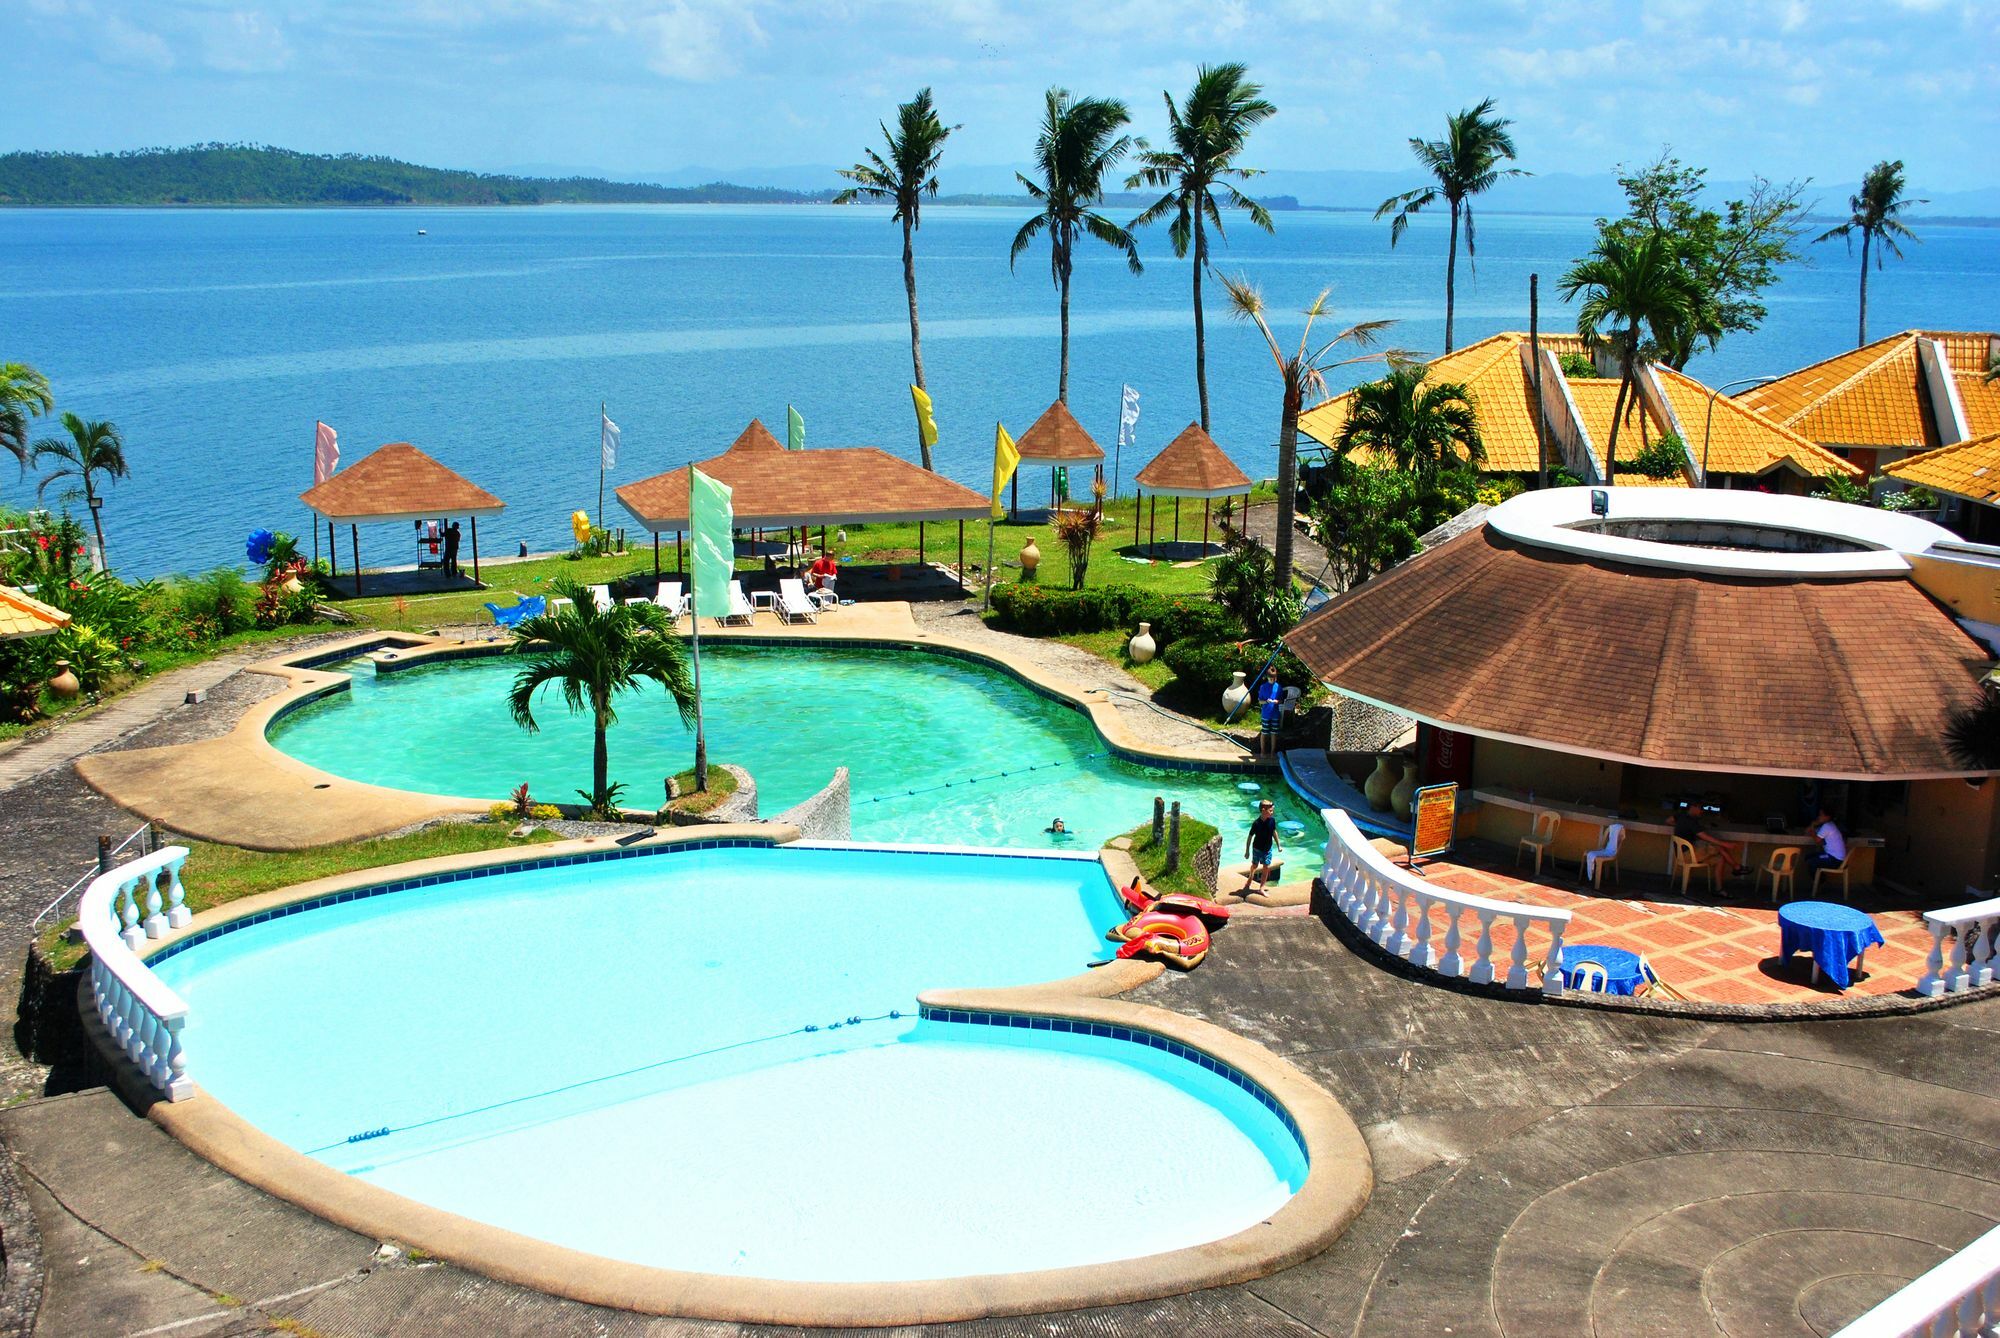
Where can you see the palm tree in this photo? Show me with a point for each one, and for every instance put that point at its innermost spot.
(903, 179)
(1208, 130)
(89, 450)
(1303, 373)
(1876, 215)
(1079, 143)
(24, 394)
(590, 655)
(1423, 426)
(1639, 286)
(1465, 162)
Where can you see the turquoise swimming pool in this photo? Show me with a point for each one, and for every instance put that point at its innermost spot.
(710, 1059)
(940, 750)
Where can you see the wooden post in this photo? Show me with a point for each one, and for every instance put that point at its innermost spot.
(1204, 527)
(1177, 522)
(354, 537)
(1535, 356)
(656, 553)
(680, 555)
(961, 555)
(1174, 837)
(332, 549)
(1159, 819)
(1014, 495)
(922, 561)
(1153, 527)
(475, 549)
(1138, 514)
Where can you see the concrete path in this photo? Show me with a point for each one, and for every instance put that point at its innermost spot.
(1309, 560)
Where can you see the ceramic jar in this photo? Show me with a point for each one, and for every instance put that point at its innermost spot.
(65, 684)
(1141, 648)
(1233, 696)
(1405, 792)
(1381, 781)
(1031, 558)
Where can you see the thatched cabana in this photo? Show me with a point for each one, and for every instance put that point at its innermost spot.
(1057, 440)
(1192, 465)
(398, 482)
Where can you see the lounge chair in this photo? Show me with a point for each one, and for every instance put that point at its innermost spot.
(740, 609)
(668, 596)
(794, 605)
(533, 606)
(601, 594)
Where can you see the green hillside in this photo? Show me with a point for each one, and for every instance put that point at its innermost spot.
(242, 174)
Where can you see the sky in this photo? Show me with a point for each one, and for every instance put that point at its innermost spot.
(1782, 88)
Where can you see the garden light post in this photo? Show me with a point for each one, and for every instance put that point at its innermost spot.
(1709, 420)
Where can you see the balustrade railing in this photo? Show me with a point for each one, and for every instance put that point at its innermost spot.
(118, 912)
(1398, 910)
(1961, 956)
(1960, 1298)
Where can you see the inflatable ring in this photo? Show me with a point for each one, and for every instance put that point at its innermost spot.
(1213, 914)
(1179, 939)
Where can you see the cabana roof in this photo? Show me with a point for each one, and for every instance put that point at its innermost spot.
(1192, 465)
(829, 485)
(399, 482)
(21, 615)
(1058, 439)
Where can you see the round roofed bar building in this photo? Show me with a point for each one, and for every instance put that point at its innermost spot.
(397, 483)
(1758, 655)
(1192, 465)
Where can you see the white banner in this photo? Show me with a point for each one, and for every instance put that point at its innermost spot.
(610, 434)
(1128, 418)
(326, 453)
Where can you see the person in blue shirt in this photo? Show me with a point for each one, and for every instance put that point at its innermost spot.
(1270, 702)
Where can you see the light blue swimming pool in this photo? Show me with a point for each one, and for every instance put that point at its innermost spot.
(941, 751)
(692, 1059)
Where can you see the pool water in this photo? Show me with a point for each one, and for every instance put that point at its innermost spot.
(687, 1059)
(940, 751)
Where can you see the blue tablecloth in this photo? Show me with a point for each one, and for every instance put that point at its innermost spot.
(1624, 972)
(1834, 934)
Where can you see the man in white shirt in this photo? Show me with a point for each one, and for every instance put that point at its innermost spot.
(1832, 844)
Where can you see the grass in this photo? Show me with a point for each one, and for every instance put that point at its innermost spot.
(721, 785)
(216, 875)
(1152, 859)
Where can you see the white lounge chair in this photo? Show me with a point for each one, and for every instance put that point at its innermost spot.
(602, 595)
(740, 609)
(794, 605)
(668, 596)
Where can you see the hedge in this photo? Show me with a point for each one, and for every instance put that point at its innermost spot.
(1203, 669)
(1034, 610)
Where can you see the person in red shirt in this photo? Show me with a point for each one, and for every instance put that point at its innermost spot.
(825, 573)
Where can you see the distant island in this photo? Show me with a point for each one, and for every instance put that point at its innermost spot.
(253, 175)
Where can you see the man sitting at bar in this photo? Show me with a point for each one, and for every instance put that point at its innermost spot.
(1832, 841)
(1726, 856)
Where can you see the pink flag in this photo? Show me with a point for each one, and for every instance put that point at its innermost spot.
(326, 454)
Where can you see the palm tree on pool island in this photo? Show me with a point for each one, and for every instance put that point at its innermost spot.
(590, 656)
(1303, 373)
(1464, 163)
(1633, 288)
(91, 449)
(1206, 131)
(1876, 213)
(1079, 143)
(903, 179)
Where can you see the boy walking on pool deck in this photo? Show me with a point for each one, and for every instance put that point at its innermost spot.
(1261, 847)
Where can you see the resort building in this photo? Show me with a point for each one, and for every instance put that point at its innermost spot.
(1566, 421)
(1758, 657)
(1911, 392)
(1966, 479)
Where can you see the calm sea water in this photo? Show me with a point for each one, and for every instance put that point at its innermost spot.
(216, 338)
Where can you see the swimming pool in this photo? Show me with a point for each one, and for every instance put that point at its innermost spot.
(940, 750)
(708, 1059)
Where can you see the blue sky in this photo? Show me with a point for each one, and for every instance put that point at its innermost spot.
(1783, 87)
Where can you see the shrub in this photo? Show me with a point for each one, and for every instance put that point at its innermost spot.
(1661, 458)
(93, 657)
(220, 599)
(1578, 367)
(1034, 610)
(1203, 669)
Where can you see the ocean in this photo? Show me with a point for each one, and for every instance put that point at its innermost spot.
(215, 339)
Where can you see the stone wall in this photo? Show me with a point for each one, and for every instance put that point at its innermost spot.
(825, 816)
(1361, 727)
(1208, 863)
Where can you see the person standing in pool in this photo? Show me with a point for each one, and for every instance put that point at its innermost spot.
(1261, 847)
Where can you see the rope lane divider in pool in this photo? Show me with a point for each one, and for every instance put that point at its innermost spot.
(985, 780)
(810, 1028)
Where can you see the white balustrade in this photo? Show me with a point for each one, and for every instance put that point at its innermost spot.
(119, 911)
(1960, 1298)
(1962, 943)
(1393, 907)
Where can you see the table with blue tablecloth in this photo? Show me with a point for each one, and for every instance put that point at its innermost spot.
(1625, 972)
(1835, 935)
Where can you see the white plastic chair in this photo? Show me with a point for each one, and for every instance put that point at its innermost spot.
(1605, 855)
(668, 597)
(601, 596)
(740, 608)
(793, 604)
(1588, 977)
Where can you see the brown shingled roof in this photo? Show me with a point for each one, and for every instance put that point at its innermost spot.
(854, 484)
(1192, 465)
(1058, 439)
(399, 482)
(1655, 666)
(755, 437)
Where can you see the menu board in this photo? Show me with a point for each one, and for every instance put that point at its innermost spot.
(1435, 811)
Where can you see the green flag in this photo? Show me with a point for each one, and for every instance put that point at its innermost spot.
(795, 429)
(712, 527)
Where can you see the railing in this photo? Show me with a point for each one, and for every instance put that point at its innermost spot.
(119, 911)
(1394, 908)
(106, 853)
(1969, 962)
(1960, 1298)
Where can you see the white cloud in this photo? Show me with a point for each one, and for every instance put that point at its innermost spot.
(242, 41)
(123, 43)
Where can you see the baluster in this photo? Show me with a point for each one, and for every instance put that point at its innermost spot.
(1482, 962)
(1982, 951)
(1398, 936)
(177, 912)
(1961, 974)
(1420, 943)
(1931, 983)
(177, 1084)
(156, 920)
(1451, 964)
(128, 915)
(1552, 965)
(1370, 922)
(1517, 967)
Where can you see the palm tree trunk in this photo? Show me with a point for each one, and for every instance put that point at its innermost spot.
(1617, 417)
(1451, 277)
(1288, 484)
(1062, 388)
(1200, 339)
(1861, 332)
(916, 345)
(600, 763)
(96, 521)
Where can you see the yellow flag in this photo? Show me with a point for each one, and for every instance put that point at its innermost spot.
(1006, 459)
(926, 421)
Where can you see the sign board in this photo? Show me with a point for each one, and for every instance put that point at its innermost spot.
(1435, 811)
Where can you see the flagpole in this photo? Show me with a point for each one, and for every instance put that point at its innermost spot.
(989, 566)
(600, 463)
(1118, 447)
(694, 617)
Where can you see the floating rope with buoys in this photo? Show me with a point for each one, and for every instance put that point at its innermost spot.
(984, 780)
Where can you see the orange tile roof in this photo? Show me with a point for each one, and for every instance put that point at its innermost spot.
(1058, 439)
(1874, 396)
(1596, 399)
(856, 484)
(1969, 469)
(1193, 465)
(1739, 441)
(399, 482)
(21, 614)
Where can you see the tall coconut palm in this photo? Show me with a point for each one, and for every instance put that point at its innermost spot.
(1876, 214)
(1303, 373)
(1424, 426)
(24, 394)
(1079, 143)
(590, 656)
(1464, 163)
(91, 449)
(1207, 131)
(1634, 289)
(903, 179)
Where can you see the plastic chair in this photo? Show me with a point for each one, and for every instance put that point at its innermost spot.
(1839, 871)
(1685, 863)
(601, 596)
(1540, 838)
(1587, 976)
(1605, 856)
(1782, 869)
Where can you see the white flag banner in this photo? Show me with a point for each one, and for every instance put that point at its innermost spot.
(326, 453)
(1128, 418)
(610, 441)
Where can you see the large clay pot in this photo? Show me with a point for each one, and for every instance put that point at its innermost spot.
(1031, 558)
(1141, 647)
(1405, 792)
(1235, 695)
(1380, 782)
(64, 684)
